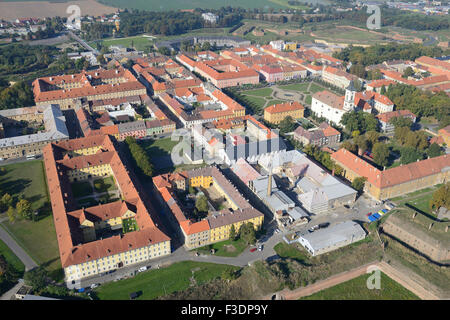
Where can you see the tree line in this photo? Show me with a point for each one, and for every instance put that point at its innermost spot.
(140, 156)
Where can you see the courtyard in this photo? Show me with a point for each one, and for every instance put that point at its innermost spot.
(95, 191)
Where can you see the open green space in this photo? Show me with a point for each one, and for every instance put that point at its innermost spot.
(11, 258)
(158, 282)
(159, 147)
(315, 88)
(227, 248)
(303, 87)
(25, 179)
(264, 92)
(356, 289)
(308, 99)
(291, 251)
(138, 42)
(38, 239)
(105, 184)
(275, 101)
(81, 189)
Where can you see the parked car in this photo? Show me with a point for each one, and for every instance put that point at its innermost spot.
(324, 225)
(369, 214)
(252, 249)
(277, 230)
(260, 247)
(94, 285)
(314, 228)
(141, 269)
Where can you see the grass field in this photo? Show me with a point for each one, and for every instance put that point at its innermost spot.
(296, 87)
(157, 148)
(285, 250)
(264, 92)
(356, 289)
(37, 238)
(11, 258)
(158, 282)
(225, 248)
(138, 42)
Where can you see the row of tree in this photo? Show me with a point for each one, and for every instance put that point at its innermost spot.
(140, 156)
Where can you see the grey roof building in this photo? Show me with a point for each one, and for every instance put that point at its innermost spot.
(332, 238)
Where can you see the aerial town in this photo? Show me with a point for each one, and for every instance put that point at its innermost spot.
(139, 160)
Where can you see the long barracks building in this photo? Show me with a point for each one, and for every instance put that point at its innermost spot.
(394, 182)
(100, 84)
(98, 239)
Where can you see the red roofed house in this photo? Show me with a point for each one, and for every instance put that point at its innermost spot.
(385, 119)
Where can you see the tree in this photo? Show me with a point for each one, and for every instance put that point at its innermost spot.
(232, 232)
(287, 125)
(229, 274)
(202, 204)
(347, 144)
(401, 122)
(372, 137)
(24, 209)
(247, 233)
(101, 59)
(380, 154)
(441, 197)
(36, 278)
(362, 143)
(434, 150)
(409, 154)
(6, 202)
(11, 213)
(358, 183)
(408, 72)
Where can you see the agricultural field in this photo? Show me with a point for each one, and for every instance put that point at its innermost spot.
(12, 9)
(162, 5)
(356, 289)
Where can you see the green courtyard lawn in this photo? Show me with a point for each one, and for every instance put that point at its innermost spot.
(315, 88)
(255, 103)
(272, 102)
(227, 248)
(129, 225)
(11, 258)
(159, 147)
(105, 184)
(81, 189)
(356, 289)
(158, 282)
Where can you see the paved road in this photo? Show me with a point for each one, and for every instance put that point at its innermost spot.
(18, 251)
(11, 293)
(83, 43)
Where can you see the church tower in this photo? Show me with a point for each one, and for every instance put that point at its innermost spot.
(349, 101)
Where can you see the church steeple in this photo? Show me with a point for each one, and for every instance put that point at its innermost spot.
(349, 101)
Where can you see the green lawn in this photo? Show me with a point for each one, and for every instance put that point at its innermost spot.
(296, 87)
(285, 250)
(159, 147)
(356, 289)
(264, 92)
(26, 179)
(272, 102)
(11, 258)
(158, 282)
(315, 88)
(105, 184)
(422, 203)
(129, 225)
(308, 99)
(139, 42)
(81, 189)
(225, 248)
(256, 103)
(37, 238)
